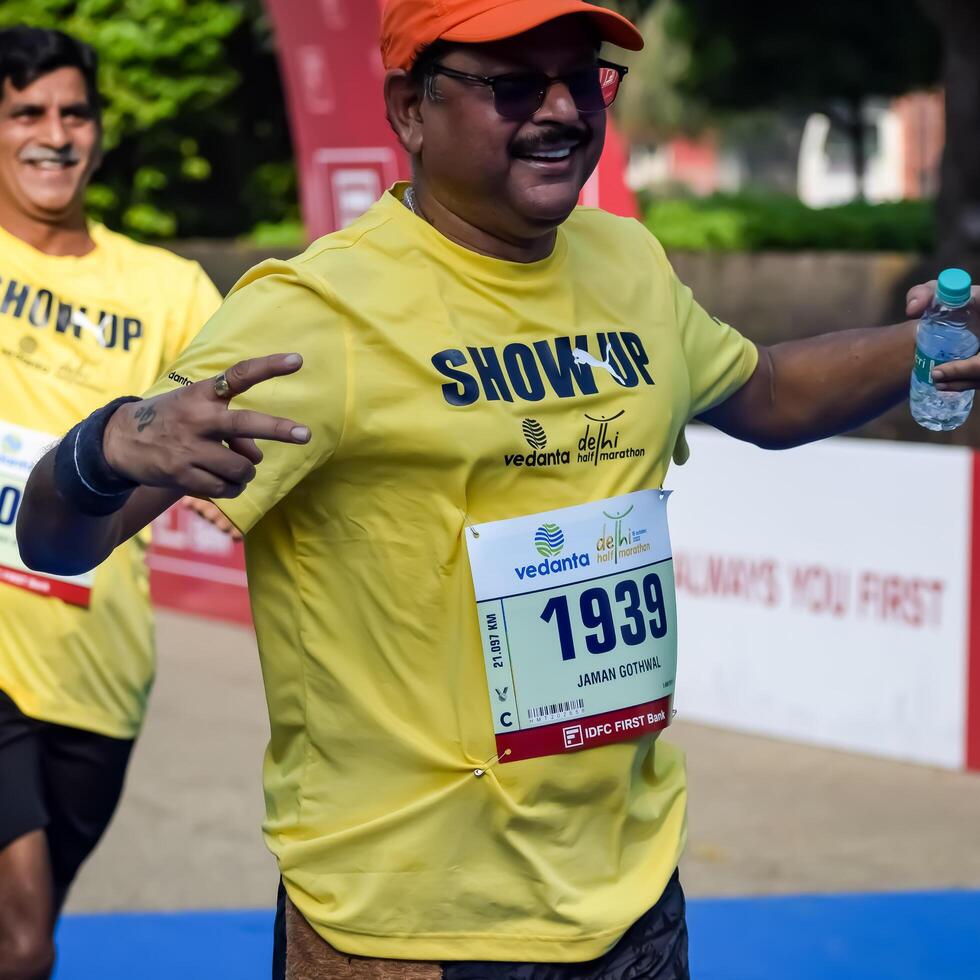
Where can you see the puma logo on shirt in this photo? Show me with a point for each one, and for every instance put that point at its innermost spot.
(79, 319)
(584, 357)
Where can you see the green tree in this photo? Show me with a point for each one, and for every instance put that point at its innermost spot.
(653, 105)
(773, 53)
(958, 207)
(827, 56)
(195, 130)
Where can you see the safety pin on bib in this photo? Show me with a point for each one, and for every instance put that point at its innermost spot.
(489, 764)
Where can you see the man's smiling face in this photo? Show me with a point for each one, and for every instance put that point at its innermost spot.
(49, 145)
(518, 177)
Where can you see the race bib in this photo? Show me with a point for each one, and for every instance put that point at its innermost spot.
(578, 616)
(20, 449)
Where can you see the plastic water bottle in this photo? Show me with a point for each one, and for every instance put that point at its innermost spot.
(944, 334)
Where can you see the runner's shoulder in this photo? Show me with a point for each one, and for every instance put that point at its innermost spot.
(613, 234)
(323, 259)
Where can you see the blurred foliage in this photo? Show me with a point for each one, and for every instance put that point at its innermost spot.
(826, 57)
(748, 222)
(653, 104)
(279, 234)
(195, 124)
(198, 143)
(748, 56)
(958, 205)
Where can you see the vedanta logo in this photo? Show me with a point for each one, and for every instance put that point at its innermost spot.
(534, 434)
(550, 566)
(549, 540)
(11, 443)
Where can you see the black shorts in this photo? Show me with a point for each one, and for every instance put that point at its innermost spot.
(653, 948)
(62, 780)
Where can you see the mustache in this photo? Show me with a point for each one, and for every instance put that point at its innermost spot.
(552, 136)
(41, 154)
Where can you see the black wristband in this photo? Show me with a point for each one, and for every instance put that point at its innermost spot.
(81, 473)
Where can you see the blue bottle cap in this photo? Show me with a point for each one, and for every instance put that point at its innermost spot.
(954, 287)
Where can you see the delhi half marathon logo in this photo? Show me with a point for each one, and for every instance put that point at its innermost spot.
(549, 540)
(620, 541)
(534, 433)
(601, 444)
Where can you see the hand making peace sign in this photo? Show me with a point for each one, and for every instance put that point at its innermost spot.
(192, 441)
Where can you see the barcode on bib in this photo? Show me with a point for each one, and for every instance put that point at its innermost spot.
(563, 709)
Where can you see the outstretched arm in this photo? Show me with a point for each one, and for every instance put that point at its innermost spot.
(805, 390)
(55, 537)
(187, 441)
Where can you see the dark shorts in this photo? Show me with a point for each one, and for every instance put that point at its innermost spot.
(62, 780)
(653, 948)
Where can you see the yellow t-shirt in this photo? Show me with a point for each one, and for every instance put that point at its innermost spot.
(76, 332)
(423, 362)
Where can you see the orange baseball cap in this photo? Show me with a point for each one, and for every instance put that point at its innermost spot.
(408, 26)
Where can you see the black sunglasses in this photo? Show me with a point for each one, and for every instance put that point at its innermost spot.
(519, 95)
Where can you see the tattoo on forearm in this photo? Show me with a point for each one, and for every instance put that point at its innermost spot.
(145, 417)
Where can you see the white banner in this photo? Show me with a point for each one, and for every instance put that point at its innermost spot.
(823, 593)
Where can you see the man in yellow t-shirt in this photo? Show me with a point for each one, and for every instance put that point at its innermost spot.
(85, 315)
(454, 547)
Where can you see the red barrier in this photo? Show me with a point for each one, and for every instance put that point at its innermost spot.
(332, 72)
(197, 569)
(972, 751)
(346, 151)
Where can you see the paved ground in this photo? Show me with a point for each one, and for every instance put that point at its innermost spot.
(766, 817)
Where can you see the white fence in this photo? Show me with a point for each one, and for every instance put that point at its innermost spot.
(824, 593)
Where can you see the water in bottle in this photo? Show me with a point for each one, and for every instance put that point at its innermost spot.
(943, 335)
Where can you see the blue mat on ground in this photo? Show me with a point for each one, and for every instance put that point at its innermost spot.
(906, 936)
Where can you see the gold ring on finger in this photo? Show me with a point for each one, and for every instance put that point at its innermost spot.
(221, 387)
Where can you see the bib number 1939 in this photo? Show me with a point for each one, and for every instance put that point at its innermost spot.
(580, 648)
(596, 613)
